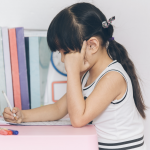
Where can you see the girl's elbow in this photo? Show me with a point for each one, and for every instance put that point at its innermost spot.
(77, 124)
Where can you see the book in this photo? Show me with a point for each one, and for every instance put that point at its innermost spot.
(15, 67)
(34, 72)
(46, 123)
(28, 66)
(3, 102)
(44, 60)
(22, 68)
(8, 76)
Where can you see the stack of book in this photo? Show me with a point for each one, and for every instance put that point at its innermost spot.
(24, 63)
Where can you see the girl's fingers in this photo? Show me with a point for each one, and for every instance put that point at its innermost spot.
(19, 120)
(12, 121)
(7, 111)
(83, 50)
(18, 114)
(86, 65)
(15, 110)
(7, 116)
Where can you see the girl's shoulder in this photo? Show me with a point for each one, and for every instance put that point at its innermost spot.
(113, 74)
(113, 66)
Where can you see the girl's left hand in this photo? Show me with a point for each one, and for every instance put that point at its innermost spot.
(75, 61)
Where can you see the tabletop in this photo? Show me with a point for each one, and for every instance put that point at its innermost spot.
(50, 138)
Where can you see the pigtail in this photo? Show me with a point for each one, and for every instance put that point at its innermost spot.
(119, 53)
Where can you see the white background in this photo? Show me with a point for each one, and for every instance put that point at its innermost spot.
(132, 29)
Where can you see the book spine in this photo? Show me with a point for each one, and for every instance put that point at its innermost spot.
(22, 68)
(3, 102)
(34, 72)
(7, 63)
(14, 67)
(28, 66)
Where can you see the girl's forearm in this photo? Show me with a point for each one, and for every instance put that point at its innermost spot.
(75, 100)
(43, 113)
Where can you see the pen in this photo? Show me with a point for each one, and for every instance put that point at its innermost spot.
(9, 104)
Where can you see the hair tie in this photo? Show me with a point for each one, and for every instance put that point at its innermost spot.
(111, 39)
(105, 24)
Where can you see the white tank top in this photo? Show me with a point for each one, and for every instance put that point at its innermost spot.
(120, 126)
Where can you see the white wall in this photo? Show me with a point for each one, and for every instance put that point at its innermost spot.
(132, 29)
(31, 14)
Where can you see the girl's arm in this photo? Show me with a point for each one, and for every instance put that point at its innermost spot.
(111, 86)
(82, 111)
(49, 112)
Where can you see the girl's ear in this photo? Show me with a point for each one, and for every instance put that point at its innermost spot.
(93, 45)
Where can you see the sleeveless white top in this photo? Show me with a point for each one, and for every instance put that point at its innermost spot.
(120, 126)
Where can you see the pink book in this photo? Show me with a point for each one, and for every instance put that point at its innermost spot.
(14, 67)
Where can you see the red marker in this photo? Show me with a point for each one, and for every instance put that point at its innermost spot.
(8, 131)
(5, 132)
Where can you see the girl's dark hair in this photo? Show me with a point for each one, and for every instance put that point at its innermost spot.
(80, 22)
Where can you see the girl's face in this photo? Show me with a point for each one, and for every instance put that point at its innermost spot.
(92, 54)
(88, 54)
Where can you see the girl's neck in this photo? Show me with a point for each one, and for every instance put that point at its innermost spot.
(103, 60)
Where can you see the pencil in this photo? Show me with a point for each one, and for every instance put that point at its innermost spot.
(9, 104)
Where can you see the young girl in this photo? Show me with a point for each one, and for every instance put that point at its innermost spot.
(102, 85)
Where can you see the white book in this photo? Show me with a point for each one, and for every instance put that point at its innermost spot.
(3, 102)
(7, 63)
(47, 123)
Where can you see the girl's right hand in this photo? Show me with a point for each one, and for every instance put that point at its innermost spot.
(8, 115)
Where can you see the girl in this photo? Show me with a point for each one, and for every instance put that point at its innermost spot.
(102, 85)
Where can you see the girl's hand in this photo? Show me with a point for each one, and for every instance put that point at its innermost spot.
(8, 115)
(75, 61)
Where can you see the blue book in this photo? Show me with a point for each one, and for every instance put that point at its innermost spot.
(34, 72)
(44, 60)
(22, 68)
(3, 102)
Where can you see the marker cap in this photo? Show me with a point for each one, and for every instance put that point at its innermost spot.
(15, 132)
